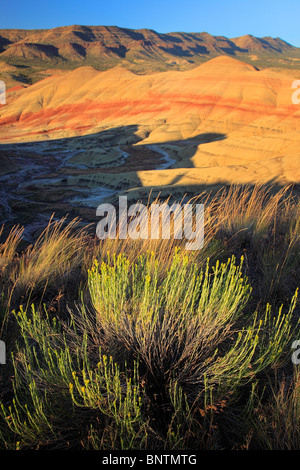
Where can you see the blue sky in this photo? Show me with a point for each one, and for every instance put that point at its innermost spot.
(230, 18)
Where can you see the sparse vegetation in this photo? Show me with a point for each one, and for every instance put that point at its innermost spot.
(137, 344)
(143, 51)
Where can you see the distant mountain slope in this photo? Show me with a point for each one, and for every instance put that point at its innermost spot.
(141, 51)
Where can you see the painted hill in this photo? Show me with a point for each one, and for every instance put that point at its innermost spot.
(248, 113)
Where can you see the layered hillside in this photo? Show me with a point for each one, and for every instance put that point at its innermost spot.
(224, 121)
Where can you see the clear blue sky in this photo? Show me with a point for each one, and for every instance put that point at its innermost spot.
(231, 18)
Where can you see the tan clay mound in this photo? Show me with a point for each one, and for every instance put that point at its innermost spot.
(251, 110)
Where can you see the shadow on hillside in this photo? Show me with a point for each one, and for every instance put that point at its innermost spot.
(45, 179)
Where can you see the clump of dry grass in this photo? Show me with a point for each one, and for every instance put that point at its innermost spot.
(9, 247)
(278, 423)
(57, 251)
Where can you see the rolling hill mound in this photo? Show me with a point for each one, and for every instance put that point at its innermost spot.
(250, 109)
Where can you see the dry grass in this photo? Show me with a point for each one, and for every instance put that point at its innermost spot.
(9, 247)
(57, 251)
